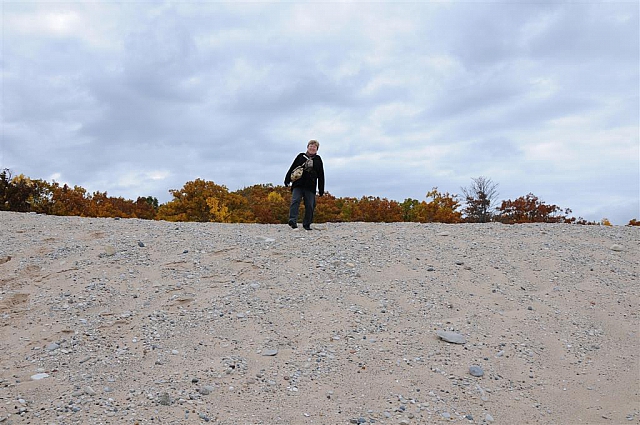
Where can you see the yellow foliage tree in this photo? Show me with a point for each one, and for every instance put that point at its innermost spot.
(219, 212)
(198, 200)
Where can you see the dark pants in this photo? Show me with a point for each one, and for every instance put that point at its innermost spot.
(309, 196)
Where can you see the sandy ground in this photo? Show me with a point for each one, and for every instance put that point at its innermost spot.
(132, 321)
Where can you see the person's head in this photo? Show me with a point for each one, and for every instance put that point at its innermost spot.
(312, 146)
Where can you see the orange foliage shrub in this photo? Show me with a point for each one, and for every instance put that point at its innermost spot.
(530, 209)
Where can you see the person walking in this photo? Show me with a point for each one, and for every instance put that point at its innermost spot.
(304, 187)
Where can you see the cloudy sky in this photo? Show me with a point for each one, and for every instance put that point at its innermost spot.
(139, 97)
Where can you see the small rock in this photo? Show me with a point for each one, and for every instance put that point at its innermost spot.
(52, 347)
(265, 239)
(110, 250)
(617, 248)
(270, 352)
(488, 418)
(39, 376)
(476, 371)
(164, 399)
(452, 337)
(141, 244)
(206, 390)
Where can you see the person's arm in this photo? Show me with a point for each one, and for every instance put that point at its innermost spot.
(321, 178)
(287, 178)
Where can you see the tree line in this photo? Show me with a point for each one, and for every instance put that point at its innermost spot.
(206, 201)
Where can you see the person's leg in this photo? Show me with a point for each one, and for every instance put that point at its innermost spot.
(294, 208)
(309, 207)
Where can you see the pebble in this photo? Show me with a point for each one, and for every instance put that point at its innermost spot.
(270, 352)
(452, 337)
(476, 371)
(164, 399)
(39, 376)
(206, 390)
(488, 418)
(52, 346)
(617, 248)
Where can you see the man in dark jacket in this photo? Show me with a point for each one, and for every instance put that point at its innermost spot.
(305, 186)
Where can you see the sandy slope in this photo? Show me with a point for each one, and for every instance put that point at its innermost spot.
(260, 324)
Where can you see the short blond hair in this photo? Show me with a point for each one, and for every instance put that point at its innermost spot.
(313, 142)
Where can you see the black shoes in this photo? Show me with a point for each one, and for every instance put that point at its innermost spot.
(294, 225)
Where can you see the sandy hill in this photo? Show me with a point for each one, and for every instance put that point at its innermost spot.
(131, 321)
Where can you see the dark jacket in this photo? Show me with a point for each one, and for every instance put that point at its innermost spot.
(309, 179)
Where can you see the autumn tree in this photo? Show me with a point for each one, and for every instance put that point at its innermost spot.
(375, 209)
(346, 206)
(442, 208)
(327, 209)
(530, 209)
(146, 208)
(22, 194)
(198, 200)
(267, 203)
(410, 208)
(69, 201)
(479, 198)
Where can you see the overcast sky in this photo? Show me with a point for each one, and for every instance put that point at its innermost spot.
(136, 98)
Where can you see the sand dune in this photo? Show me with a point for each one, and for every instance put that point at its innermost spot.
(132, 321)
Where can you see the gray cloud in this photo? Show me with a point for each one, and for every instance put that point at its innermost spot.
(139, 98)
